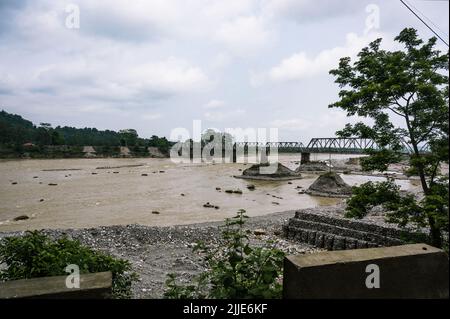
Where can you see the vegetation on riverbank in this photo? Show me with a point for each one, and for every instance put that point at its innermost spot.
(37, 255)
(21, 138)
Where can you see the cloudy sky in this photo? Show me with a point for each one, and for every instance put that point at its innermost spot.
(155, 65)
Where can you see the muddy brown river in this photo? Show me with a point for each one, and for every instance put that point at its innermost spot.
(123, 196)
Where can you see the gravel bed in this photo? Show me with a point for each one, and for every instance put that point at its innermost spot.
(156, 251)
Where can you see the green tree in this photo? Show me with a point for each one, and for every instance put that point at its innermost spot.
(128, 137)
(410, 85)
(43, 136)
(57, 139)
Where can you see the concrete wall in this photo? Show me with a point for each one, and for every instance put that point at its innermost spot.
(97, 286)
(407, 271)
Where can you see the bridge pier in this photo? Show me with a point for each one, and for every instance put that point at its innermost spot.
(263, 157)
(305, 158)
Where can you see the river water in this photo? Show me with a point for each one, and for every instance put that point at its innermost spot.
(120, 196)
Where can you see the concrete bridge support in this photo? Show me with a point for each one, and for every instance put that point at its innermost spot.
(305, 158)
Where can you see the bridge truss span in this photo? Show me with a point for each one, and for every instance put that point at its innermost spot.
(342, 145)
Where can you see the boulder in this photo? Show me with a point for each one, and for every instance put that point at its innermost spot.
(259, 232)
(21, 217)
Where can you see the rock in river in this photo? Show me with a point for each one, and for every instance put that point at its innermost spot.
(21, 217)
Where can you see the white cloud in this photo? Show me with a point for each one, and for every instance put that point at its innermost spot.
(214, 104)
(171, 75)
(151, 116)
(220, 61)
(222, 10)
(7, 83)
(308, 10)
(118, 19)
(244, 35)
(112, 80)
(219, 116)
(293, 124)
(337, 118)
(300, 65)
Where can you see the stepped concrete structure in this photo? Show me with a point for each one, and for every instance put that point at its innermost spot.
(125, 151)
(89, 151)
(333, 233)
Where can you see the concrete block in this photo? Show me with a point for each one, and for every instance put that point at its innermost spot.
(92, 286)
(339, 243)
(320, 237)
(350, 243)
(304, 236)
(298, 235)
(361, 244)
(407, 271)
(328, 243)
(311, 237)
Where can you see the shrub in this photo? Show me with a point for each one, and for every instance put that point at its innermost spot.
(236, 270)
(371, 194)
(37, 255)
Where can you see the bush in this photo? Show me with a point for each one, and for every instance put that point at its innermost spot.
(371, 194)
(405, 209)
(236, 270)
(37, 255)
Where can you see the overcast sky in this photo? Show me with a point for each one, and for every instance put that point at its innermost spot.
(155, 65)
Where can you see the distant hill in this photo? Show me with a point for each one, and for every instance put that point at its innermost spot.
(16, 131)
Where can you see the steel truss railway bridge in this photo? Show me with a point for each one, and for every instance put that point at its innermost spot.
(335, 145)
(325, 145)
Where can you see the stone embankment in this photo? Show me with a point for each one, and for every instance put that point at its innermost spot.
(331, 232)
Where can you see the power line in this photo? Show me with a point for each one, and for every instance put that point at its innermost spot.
(409, 8)
(428, 19)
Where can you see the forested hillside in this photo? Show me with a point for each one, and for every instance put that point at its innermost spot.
(17, 133)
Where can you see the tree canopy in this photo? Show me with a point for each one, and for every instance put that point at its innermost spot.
(14, 130)
(405, 94)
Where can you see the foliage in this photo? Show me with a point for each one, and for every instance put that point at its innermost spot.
(402, 208)
(405, 94)
(161, 143)
(371, 194)
(15, 131)
(37, 255)
(236, 270)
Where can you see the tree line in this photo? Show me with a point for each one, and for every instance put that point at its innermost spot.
(16, 131)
